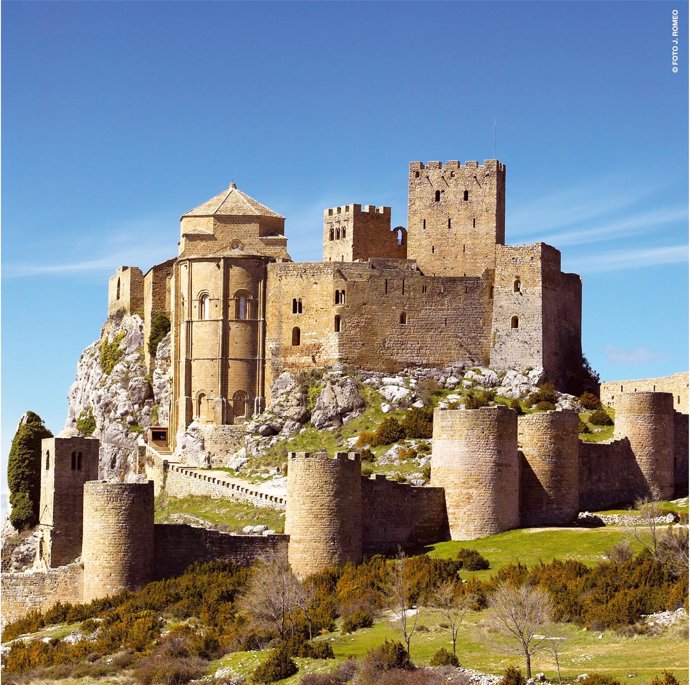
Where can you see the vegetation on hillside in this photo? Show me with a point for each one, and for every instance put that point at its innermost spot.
(111, 352)
(160, 327)
(24, 471)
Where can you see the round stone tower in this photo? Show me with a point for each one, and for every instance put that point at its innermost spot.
(324, 511)
(549, 477)
(474, 457)
(118, 537)
(646, 419)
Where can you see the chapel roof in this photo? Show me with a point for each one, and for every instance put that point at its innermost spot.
(232, 202)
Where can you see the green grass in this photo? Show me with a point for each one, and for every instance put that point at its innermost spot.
(531, 546)
(583, 651)
(230, 515)
(597, 433)
(665, 505)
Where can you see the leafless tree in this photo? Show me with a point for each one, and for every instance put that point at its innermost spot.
(516, 614)
(400, 599)
(454, 608)
(646, 529)
(553, 643)
(673, 549)
(305, 593)
(271, 596)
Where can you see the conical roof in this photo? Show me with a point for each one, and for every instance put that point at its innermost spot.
(232, 202)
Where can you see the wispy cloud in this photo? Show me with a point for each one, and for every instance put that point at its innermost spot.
(639, 355)
(638, 258)
(137, 242)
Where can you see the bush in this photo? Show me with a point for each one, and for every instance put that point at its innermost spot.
(111, 352)
(515, 405)
(598, 679)
(444, 658)
(388, 432)
(359, 618)
(316, 650)
(619, 553)
(418, 423)
(544, 393)
(166, 670)
(366, 439)
(665, 679)
(388, 656)
(512, 676)
(160, 327)
(589, 400)
(600, 418)
(279, 665)
(366, 455)
(478, 398)
(86, 423)
(582, 427)
(24, 470)
(472, 560)
(545, 406)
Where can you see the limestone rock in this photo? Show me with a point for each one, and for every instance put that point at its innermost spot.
(162, 381)
(338, 402)
(190, 446)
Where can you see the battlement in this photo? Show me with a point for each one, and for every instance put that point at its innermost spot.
(356, 209)
(455, 164)
(339, 456)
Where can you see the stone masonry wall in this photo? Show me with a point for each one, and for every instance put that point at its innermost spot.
(156, 299)
(677, 385)
(324, 511)
(680, 453)
(118, 540)
(456, 216)
(608, 474)
(130, 291)
(646, 420)
(398, 515)
(475, 458)
(549, 473)
(185, 481)
(178, 546)
(40, 590)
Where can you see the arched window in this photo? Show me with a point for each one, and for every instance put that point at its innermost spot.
(517, 286)
(403, 319)
(47, 459)
(296, 336)
(294, 305)
(437, 196)
(204, 312)
(416, 174)
(242, 304)
(117, 296)
(80, 462)
(337, 324)
(239, 404)
(514, 322)
(200, 405)
(344, 231)
(330, 234)
(466, 195)
(299, 305)
(74, 461)
(342, 297)
(337, 233)
(337, 296)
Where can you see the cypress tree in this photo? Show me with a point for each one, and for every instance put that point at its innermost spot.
(24, 470)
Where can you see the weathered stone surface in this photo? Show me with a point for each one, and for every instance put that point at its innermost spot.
(338, 402)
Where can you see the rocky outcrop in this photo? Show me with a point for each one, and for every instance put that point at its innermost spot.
(162, 382)
(120, 399)
(338, 402)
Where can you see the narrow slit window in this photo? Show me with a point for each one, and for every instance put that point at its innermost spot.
(437, 196)
(385, 286)
(403, 319)
(433, 249)
(296, 337)
(449, 223)
(117, 296)
(423, 290)
(474, 223)
(423, 223)
(337, 324)
(466, 195)
(73, 464)
(47, 459)
(403, 286)
(80, 462)
(514, 322)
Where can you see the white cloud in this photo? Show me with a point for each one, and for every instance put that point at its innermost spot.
(639, 355)
(638, 258)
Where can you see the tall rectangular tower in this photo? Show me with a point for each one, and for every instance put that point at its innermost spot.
(66, 464)
(456, 216)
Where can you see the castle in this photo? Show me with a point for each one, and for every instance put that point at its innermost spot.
(446, 289)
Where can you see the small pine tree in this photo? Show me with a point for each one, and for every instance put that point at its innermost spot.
(24, 470)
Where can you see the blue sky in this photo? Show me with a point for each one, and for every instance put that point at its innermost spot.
(118, 117)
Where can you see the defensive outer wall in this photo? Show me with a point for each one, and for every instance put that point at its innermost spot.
(491, 471)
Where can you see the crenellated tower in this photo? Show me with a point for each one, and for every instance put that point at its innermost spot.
(456, 216)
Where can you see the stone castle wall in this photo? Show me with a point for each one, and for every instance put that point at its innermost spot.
(474, 458)
(392, 317)
(608, 475)
(456, 216)
(646, 420)
(549, 473)
(397, 515)
(156, 299)
(40, 590)
(680, 453)
(126, 291)
(324, 511)
(677, 385)
(66, 464)
(179, 546)
(118, 539)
